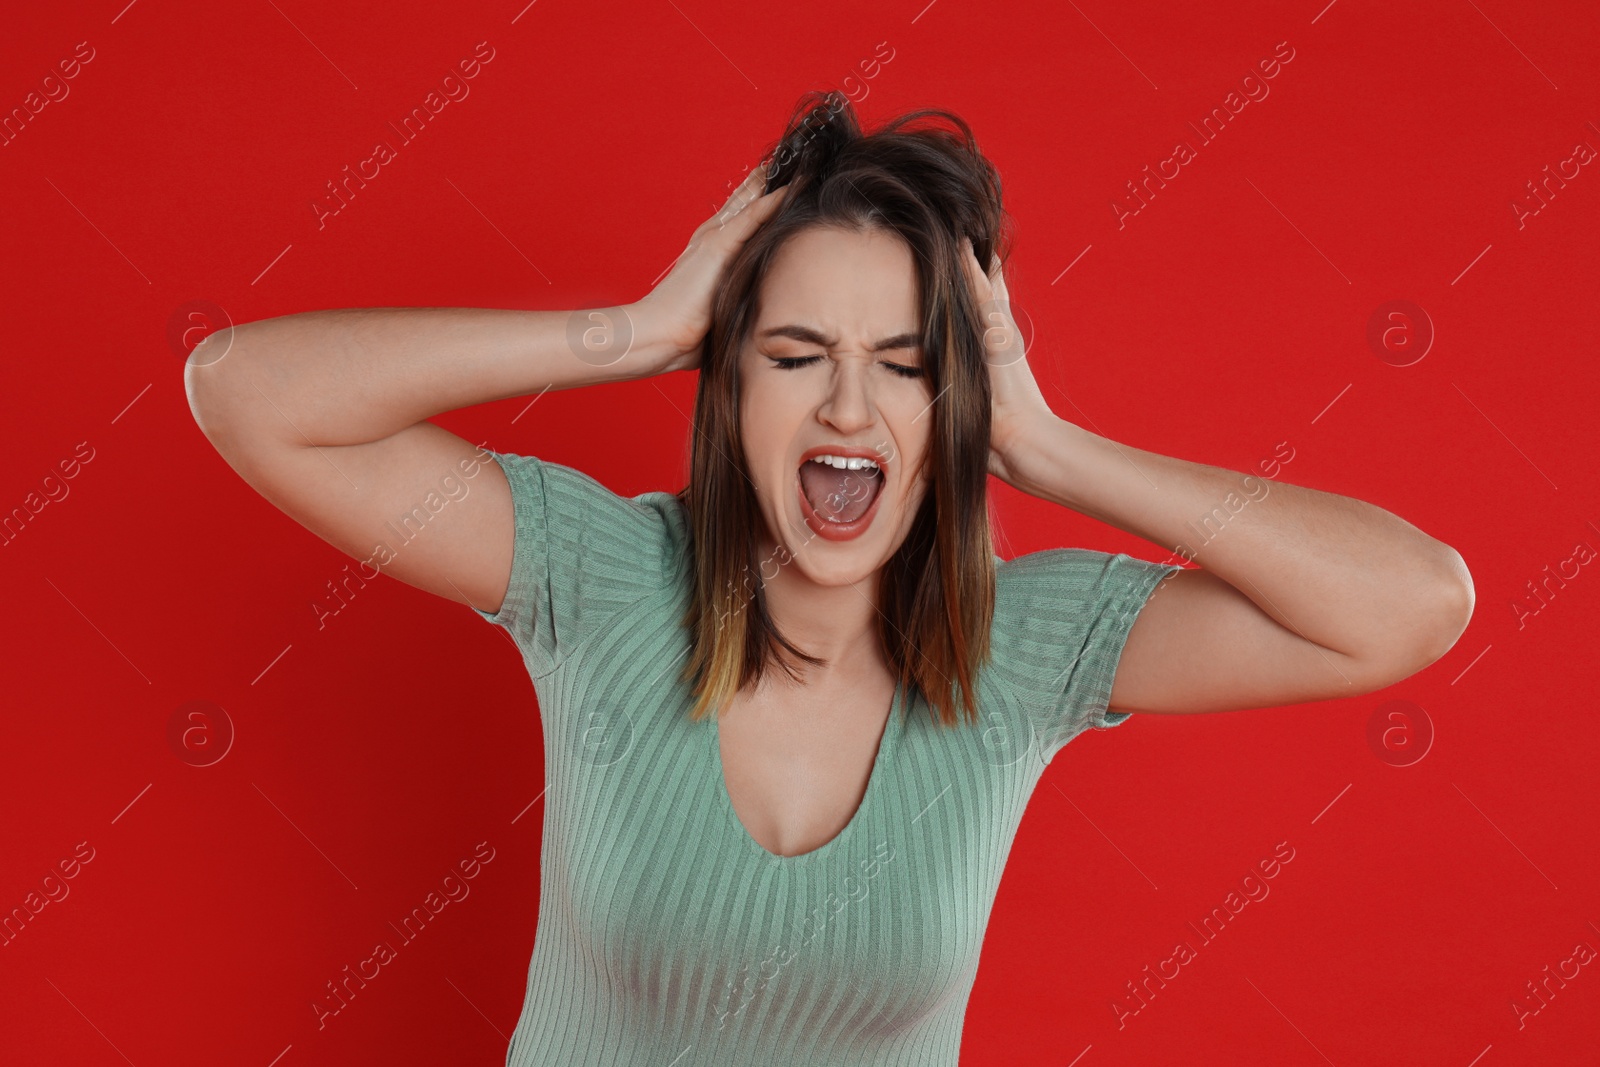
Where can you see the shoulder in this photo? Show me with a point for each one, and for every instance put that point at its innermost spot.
(567, 504)
(1061, 619)
(1064, 581)
(583, 554)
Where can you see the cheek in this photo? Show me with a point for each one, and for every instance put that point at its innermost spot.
(765, 451)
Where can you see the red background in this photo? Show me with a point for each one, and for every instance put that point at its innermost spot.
(1229, 315)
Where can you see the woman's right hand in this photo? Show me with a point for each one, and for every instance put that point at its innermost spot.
(674, 316)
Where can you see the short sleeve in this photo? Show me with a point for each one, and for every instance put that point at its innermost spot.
(582, 555)
(1062, 617)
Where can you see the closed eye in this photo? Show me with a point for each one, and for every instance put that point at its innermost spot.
(795, 362)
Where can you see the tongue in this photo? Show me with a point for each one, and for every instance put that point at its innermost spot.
(839, 495)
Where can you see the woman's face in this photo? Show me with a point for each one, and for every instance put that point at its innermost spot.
(834, 367)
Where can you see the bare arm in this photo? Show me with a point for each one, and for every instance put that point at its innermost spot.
(326, 413)
(1304, 595)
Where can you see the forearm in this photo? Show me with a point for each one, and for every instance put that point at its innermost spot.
(1341, 572)
(359, 375)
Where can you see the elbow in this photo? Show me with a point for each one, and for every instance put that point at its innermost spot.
(1430, 627)
(212, 391)
(1452, 611)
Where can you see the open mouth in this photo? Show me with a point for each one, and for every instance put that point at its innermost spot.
(839, 494)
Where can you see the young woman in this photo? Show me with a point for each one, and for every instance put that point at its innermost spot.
(793, 714)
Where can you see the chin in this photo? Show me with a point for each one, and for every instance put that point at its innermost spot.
(842, 561)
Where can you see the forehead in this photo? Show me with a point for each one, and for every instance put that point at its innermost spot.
(856, 286)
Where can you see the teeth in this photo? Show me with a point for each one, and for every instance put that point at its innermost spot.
(852, 463)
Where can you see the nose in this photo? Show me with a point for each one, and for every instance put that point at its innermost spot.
(848, 407)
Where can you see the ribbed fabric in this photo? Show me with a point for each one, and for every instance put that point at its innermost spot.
(666, 935)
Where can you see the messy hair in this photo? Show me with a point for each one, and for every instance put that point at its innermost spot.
(918, 177)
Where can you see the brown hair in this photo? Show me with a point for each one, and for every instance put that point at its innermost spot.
(928, 185)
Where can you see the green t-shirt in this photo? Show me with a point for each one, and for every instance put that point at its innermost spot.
(666, 935)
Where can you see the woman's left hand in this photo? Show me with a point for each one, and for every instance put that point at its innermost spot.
(1018, 403)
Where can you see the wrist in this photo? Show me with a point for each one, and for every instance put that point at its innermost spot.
(1042, 447)
(654, 350)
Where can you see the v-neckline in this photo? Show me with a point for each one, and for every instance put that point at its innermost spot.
(880, 759)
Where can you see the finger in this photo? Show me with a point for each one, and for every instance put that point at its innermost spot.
(747, 217)
(1002, 342)
(746, 191)
(997, 275)
(982, 290)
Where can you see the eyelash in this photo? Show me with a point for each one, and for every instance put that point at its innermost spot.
(795, 362)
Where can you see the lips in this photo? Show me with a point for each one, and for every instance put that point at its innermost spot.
(839, 503)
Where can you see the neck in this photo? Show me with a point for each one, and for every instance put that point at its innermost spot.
(838, 623)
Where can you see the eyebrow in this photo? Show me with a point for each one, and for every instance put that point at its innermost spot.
(816, 337)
